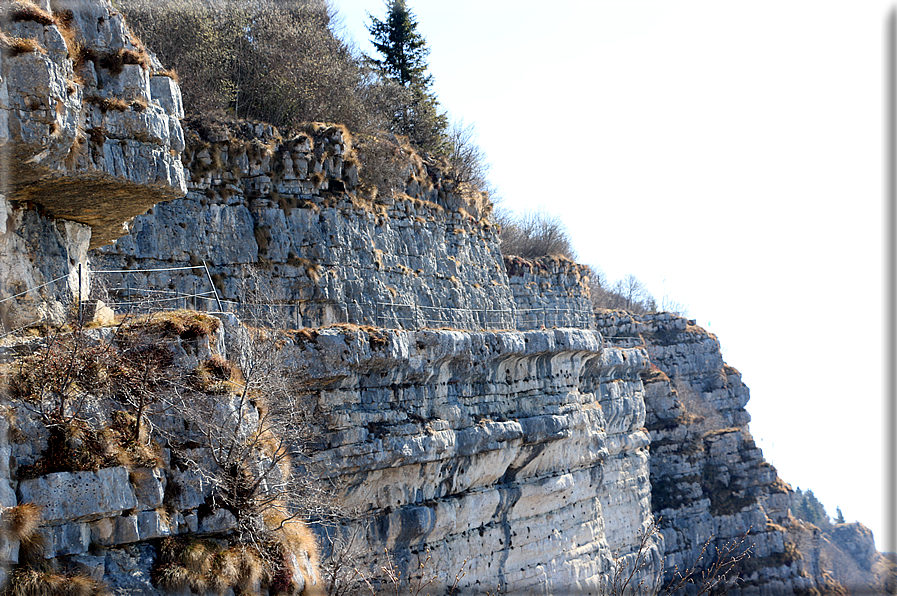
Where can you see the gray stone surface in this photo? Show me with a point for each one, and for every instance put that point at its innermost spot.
(149, 487)
(709, 478)
(534, 460)
(55, 118)
(418, 259)
(65, 539)
(550, 292)
(79, 496)
(220, 521)
(56, 157)
(89, 565)
(521, 453)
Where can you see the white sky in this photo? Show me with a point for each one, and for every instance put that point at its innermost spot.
(731, 156)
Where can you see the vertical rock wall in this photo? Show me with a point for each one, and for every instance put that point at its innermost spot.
(290, 213)
(88, 135)
(520, 458)
(709, 479)
(550, 292)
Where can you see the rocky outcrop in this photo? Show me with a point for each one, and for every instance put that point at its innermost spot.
(293, 213)
(531, 460)
(86, 495)
(519, 458)
(709, 481)
(90, 136)
(41, 253)
(550, 292)
(89, 132)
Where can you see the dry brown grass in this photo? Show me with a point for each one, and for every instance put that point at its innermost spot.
(97, 135)
(215, 375)
(22, 521)
(80, 53)
(115, 62)
(28, 581)
(116, 104)
(77, 150)
(294, 537)
(186, 324)
(377, 337)
(317, 179)
(26, 11)
(203, 566)
(14, 46)
(168, 72)
(64, 19)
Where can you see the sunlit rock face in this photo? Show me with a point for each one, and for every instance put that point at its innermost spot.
(519, 457)
(709, 482)
(91, 134)
(550, 291)
(88, 139)
(291, 214)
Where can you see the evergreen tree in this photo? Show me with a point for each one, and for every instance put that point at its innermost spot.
(404, 52)
(808, 508)
(840, 516)
(404, 49)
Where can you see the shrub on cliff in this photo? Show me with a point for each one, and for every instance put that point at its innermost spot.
(114, 397)
(534, 234)
(629, 293)
(279, 62)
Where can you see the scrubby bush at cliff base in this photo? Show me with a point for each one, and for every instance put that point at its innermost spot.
(280, 566)
(47, 581)
(246, 430)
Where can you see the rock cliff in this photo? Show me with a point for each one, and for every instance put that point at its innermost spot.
(327, 250)
(708, 478)
(517, 457)
(90, 136)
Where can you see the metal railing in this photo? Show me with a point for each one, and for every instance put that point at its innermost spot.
(125, 295)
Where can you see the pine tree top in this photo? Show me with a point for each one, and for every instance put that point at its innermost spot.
(404, 50)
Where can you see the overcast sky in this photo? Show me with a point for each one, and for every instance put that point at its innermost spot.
(731, 156)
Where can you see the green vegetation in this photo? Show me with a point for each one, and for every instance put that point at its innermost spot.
(404, 52)
(808, 508)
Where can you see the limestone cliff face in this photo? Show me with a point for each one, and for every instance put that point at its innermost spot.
(291, 210)
(88, 127)
(88, 139)
(550, 292)
(708, 478)
(519, 457)
(480, 415)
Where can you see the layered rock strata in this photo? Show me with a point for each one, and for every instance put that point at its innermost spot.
(89, 125)
(292, 214)
(710, 483)
(519, 458)
(90, 136)
(550, 291)
(81, 501)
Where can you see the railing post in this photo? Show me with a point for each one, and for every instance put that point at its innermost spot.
(80, 286)
(212, 283)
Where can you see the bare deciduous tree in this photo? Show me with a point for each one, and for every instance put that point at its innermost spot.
(271, 60)
(534, 234)
(257, 427)
(465, 157)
